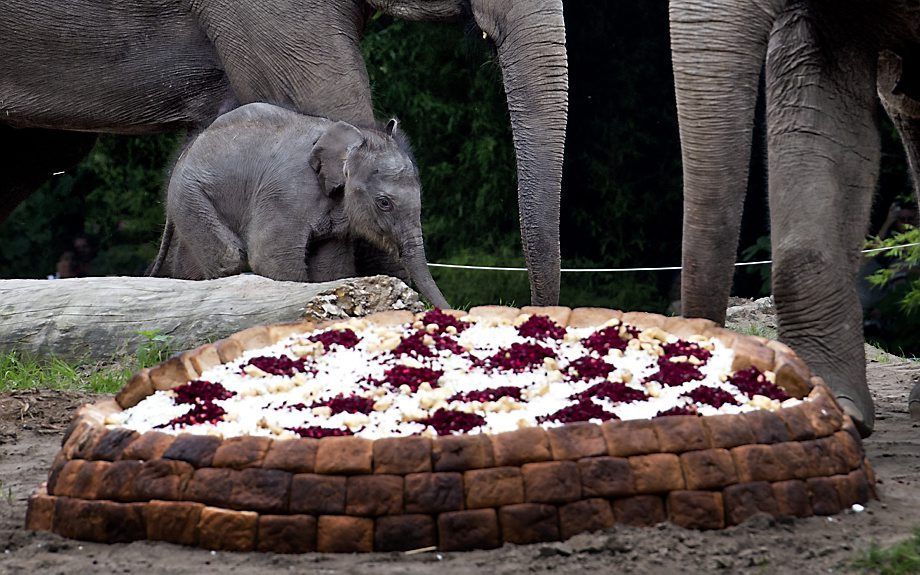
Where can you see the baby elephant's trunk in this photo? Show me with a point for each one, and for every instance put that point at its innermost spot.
(412, 254)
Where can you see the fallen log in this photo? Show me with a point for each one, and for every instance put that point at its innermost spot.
(101, 318)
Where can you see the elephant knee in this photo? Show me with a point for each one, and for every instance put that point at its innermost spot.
(805, 276)
(814, 289)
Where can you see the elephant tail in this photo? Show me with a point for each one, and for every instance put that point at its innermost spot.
(156, 267)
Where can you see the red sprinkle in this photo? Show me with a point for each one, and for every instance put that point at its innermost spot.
(319, 432)
(413, 345)
(711, 396)
(615, 392)
(201, 395)
(443, 320)
(541, 327)
(609, 338)
(199, 391)
(412, 376)
(520, 356)
(351, 404)
(673, 374)
(442, 342)
(678, 410)
(492, 394)
(345, 338)
(686, 348)
(280, 365)
(446, 422)
(753, 382)
(581, 411)
(588, 368)
(205, 412)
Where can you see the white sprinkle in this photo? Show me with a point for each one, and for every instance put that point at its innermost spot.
(273, 405)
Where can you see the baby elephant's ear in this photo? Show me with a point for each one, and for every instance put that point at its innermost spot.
(392, 126)
(330, 153)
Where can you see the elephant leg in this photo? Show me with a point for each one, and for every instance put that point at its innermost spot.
(278, 249)
(31, 156)
(718, 48)
(208, 248)
(824, 151)
(901, 98)
(181, 263)
(372, 261)
(330, 260)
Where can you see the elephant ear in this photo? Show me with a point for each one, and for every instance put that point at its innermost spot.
(331, 151)
(392, 126)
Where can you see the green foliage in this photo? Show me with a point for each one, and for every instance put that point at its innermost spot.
(903, 265)
(19, 371)
(112, 197)
(456, 117)
(900, 559)
(155, 348)
(900, 279)
(621, 188)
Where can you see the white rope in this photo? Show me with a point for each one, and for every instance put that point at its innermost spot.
(616, 270)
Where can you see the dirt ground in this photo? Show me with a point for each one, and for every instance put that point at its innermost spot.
(30, 432)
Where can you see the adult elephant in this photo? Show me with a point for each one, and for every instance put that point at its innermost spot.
(821, 61)
(144, 66)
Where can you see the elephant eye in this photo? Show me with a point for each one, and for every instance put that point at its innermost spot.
(384, 203)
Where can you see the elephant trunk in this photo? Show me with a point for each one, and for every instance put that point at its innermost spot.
(530, 39)
(718, 50)
(412, 256)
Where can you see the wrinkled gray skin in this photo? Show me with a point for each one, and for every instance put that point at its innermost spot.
(142, 66)
(821, 59)
(288, 193)
(899, 89)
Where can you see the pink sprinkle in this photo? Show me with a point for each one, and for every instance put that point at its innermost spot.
(686, 348)
(443, 320)
(201, 413)
(520, 356)
(280, 365)
(753, 382)
(609, 338)
(588, 368)
(541, 327)
(200, 391)
(492, 394)
(351, 404)
(319, 432)
(678, 410)
(446, 422)
(443, 342)
(584, 410)
(345, 338)
(615, 392)
(712, 396)
(413, 345)
(674, 374)
(414, 377)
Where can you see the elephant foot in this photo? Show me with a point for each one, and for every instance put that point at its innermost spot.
(913, 403)
(863, 418)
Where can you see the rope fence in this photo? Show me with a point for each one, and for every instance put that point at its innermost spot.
(618, 270)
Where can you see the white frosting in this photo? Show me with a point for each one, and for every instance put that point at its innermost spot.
(256, 408)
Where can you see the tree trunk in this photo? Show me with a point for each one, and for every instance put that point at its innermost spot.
(99, 318)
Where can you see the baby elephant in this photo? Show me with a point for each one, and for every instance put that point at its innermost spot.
(288, 193)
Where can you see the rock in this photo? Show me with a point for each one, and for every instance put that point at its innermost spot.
(752, 317)
(101, 318)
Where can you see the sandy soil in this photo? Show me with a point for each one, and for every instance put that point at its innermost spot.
(30, 431)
